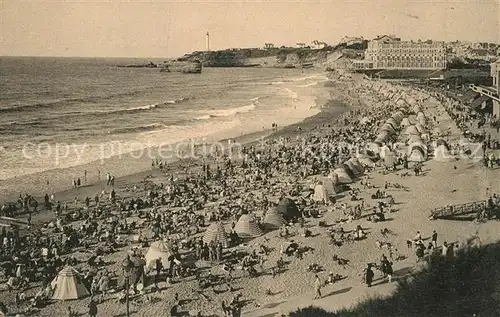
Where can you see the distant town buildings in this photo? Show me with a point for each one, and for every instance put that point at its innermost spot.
(481, 51)
(389, 52)
(348, 40)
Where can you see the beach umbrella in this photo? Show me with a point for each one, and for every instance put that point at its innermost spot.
(247, 228)
(216, 233)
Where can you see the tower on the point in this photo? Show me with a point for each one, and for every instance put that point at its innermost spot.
(208, 41)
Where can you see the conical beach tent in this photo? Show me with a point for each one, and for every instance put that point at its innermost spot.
(416, 154)
(158, 250)
(216, 233)
(405, 122)
(442, 154)
(390, 159)
(273, 220)
(247, 228)
(383, 151)
(68, 285)
(288, 209)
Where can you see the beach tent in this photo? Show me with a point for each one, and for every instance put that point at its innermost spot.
(273, 220)
(158, 250)
(442, 154)
(387, 127)
(328, 184)
(405, 122)
(348, 170)
(397, 116)
(288, 209)
(414, 138)
(390, 159)
(247, 228)
(417, 154)
(442, 142)
(343, 176)
(320, 194)
(216, 233)
(355, 167)
(334, 178)
(437, 131)
(365, 160)
(393, 123)
(383, 151)
(420, 128)
(412, 130)
(425, 137)
(68, 285)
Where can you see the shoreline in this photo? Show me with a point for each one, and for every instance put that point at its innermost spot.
(60, 179)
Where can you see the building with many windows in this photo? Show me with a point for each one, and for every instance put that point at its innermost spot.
(389, 52)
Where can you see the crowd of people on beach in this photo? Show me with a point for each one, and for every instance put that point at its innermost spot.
(176, 210)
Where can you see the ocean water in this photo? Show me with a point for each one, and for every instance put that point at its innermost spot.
(66, 112)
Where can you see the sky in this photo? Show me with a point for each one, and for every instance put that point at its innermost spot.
(155, 28)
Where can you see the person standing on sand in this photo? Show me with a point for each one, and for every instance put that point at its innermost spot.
(92, 308)
(434, 238)
(317, 287)
(369, 275)
(85, 177)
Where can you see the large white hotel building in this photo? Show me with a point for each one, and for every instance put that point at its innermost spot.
(389, 52)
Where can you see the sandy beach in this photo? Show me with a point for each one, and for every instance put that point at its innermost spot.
(345, 101)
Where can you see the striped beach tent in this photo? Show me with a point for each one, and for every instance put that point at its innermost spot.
(273, 220)
(247, 228)
(216, 233)
(393, 123)
(389, 159)
(68, 285)
(387, 127)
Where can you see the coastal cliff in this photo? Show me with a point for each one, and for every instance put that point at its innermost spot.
(287, 57)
